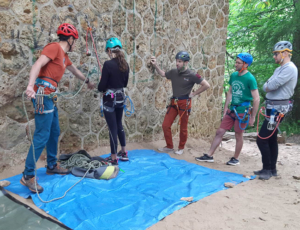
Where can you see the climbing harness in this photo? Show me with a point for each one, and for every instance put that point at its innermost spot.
(246, 117)
(278, 109)
(39, 97)
(174, 104)
(40, 82)
(113, 94)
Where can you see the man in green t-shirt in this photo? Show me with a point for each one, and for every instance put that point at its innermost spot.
(243, 89)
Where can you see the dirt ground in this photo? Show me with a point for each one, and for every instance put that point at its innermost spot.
(256, 204)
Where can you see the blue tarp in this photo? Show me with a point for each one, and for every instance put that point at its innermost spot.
(148, 188)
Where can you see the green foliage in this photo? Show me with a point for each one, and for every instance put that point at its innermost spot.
(291, 127)
(254, 27)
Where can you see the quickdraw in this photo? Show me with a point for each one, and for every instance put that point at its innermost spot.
(88, 53)
(39, 101)
(271, 126)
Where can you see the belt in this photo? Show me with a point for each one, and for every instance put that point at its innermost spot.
(49, 78)
(180, 98)
(278, 102)
(246, 104)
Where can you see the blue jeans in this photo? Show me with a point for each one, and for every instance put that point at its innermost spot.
(46, 134)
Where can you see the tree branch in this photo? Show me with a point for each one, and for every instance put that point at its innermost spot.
(228, 54)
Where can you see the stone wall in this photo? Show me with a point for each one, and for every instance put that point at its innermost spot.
(146, 27)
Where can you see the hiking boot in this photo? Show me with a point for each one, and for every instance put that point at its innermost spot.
(111, 161)
(274, 172)
(265, 174)
(258, 172)
(165, 149)
(179, 152)
(205, 158)
(29, 182)
(123, 156)
(233, 161)
(57, 169)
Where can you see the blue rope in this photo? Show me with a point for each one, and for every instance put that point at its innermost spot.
(128, 112)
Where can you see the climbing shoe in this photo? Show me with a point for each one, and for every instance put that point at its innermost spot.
(179, 152)
(29, 182)
(123, 156)
(265, 174)
(111, 161)
(233, 161)
(205, 158)
(56, 169)
(165, 149)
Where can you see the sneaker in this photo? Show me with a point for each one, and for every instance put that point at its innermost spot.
(123, 156)
(111, 161)
(179, 152)
(265, 174)
(233, 161)
(165, 149)
(29, 182)
(205, 158)
(57, 169)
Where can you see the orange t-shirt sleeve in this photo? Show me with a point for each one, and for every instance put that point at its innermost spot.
(51, 51)
(68, 61)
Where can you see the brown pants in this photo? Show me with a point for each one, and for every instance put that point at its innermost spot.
(172, 113)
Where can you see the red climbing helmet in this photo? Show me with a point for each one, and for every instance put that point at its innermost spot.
(67, 30)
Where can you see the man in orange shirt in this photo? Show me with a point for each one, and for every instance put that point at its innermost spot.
(45, 74)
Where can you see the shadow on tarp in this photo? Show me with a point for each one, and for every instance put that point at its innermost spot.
(18, 216)
(147, 189)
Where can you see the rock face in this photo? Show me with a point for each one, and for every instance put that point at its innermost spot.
(146, 28)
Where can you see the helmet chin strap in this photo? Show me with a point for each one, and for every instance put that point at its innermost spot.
(281, 57)
(243, 68)
(70, 45)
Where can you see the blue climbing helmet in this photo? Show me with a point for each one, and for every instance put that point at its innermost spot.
(112, 43)
(246, 57)
(183, 55)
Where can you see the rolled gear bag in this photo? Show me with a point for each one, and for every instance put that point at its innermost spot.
(103, 171)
